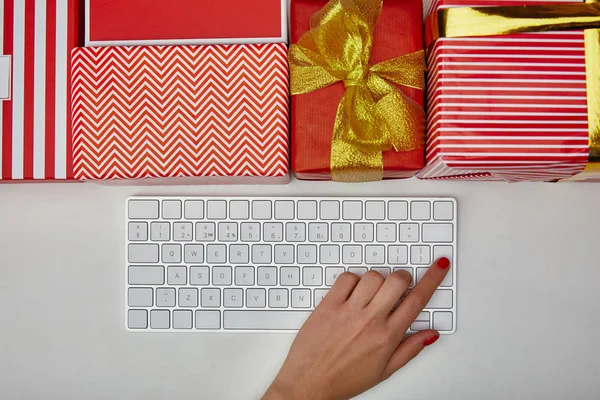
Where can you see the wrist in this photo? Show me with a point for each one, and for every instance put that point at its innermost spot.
(281, 390)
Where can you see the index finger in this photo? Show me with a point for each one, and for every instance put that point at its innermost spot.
(419, 296)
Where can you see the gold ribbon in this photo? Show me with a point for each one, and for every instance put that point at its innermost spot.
(488, 21)
(373, 115)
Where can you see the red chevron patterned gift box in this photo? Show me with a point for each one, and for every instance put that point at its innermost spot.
(181, 111)
(512, 107)
(36, 38)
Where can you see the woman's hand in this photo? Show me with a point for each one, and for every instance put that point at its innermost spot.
(354, 339)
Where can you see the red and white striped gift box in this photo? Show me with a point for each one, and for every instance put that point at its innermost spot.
(181, 111)
(509, 107)
(36, 38)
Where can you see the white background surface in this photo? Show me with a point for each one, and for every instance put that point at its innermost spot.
(528, 300)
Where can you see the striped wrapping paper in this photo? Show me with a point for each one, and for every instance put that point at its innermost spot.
(509, 107)
(36, 37)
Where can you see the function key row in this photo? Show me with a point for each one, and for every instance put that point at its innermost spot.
(360, 232)
(328, 210)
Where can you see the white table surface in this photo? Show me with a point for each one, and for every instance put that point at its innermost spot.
(528, 300)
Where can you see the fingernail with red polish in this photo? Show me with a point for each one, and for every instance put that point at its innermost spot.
(430, 340)
(443, 263)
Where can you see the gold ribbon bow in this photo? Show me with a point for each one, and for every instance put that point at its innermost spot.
(373, 115)
(486, 21)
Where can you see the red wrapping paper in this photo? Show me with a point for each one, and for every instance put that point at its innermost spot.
(398, 32)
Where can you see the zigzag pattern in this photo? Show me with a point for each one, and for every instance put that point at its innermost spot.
(169, 111)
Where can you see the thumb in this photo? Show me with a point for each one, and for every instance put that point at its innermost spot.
(409, 349)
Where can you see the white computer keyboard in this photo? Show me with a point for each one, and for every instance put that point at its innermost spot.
(262, 264)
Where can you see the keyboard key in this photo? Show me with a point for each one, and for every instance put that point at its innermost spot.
(176, 275)
(233, 298)
(261, 254)
(442, 321)
(256, 298)
(244, 276)
(137, 319)
(210, 297)
(398, 210)
(140, 297)
(420, 210)
(409, 233)
(340, 232)
(386, 232)
(188, 297)
(199, 276)
(375, 254)
(160, 231)
(332, 273)
(143, 209)
(273, 320)
(352, 210)
(295, 231)
(165, 297)
(351, 254)
(301, 298)
(193, 253)
(205, 231)
(420, 255)
(261, 209)
(171, 209)
(217, 209)
(182, 319)
(284, 209)
(216, 253)
(228, 231)
(397, 254)
(312, 276)
(239, 209)
(319, 294)
(318, 232)
(441, 299)
(208, 319)
(443, 210)
(360, 271)
(239, 253)
(329, 254)
(250, 232)
(419, 326)
(289, 276)
(171, 253)
(138, 231)
(284, 254)
(437, 233)
(363, 232)
(182, 231)
(222, 276)
(142, 253)
(375, 210)
(330, 210)
(160, 319)
(267, 276)
(420, 274)
(278, 298)
(146, 275)
(307, 210)
(273, 232)
(444, 251)
(194, 209)
(307, 254)
(385, 271)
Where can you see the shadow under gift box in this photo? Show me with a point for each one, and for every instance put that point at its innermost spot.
(506, 107)
(398, 32)
(189, 112)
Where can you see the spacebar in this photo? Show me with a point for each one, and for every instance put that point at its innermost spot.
(269, 320)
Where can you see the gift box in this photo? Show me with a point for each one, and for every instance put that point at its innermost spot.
(316, 152)
(181, 111)
(179, 22)
(509, 107)
(36, 38)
